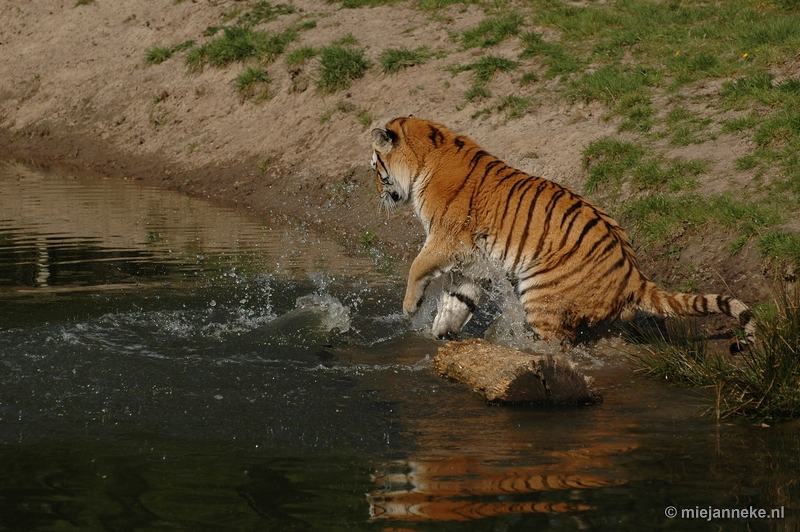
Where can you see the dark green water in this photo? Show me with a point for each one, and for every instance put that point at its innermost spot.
(169, 365)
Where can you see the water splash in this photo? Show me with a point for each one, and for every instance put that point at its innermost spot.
(332, 314)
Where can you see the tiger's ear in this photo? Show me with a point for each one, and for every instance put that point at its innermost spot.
(384, 139)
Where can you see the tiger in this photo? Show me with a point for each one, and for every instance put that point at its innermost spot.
(572, 266)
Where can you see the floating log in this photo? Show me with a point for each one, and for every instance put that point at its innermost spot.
(506, 376)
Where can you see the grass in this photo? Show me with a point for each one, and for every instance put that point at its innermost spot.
(250, 80)
(492, 31)
(394, 60)
(689, 67)
(529, 78)
(487, 66)
(781, 245)
(263, 12)
(339, 67)
(684, 125)
(484, 70)
(300, 56)
(625, 90)
(239, 44)
(740, 124)
(765, 385)
(157, 54)
(355, 4)
(434, 5)
(659, 215)
(557, 59)
(655, 173)
(757, 86)
(781, 130)
(608, 159)
(678, 353)
(367, 239)
(760, 385)
(347, 40)
(580, 23)
(363, 116)
(512, 107)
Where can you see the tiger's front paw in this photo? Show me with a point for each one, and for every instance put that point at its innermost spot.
(410, 306)
(412, 301)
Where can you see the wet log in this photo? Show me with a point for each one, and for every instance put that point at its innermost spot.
(506, 376)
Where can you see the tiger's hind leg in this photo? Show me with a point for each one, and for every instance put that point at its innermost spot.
(548, 322)
(456, 307)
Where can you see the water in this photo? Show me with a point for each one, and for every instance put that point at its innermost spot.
(170, 365)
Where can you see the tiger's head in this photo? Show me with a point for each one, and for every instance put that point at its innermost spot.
(394, 160)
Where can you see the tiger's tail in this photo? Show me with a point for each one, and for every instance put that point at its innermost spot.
(657, 301)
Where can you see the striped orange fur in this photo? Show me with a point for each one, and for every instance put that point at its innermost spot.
(571, 262)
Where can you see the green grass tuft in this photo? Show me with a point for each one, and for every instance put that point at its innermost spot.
(251, 77)
(687, 67)
(492, 31)
(748, 88)
(557, 60)
(741, 123)
(607, 159)
(678, 175)
(617, 86)
(185, 45)
(159, 54)
(347, 40)
(394, 60)
(626, 91)
(477, 91)
(529, 78)
(780, 245)
(678, 354)
(300, 56)
(782, 129)
(354, 4)
(156, 55)
(761, 384)
(433, 5)
(484, 69)
(657, 216)
(238, 44)
(512, 107)
(340, 66)
(581, 22)
(263, 12)
(764, 385)
(487, 66)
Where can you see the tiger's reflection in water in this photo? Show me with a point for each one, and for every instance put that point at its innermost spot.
(463, 487)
